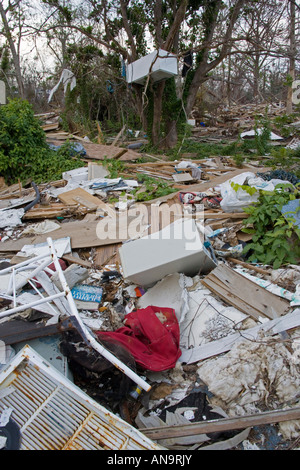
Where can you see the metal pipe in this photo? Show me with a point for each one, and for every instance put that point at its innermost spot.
(11, 311)
(36, 199)
(24, 281)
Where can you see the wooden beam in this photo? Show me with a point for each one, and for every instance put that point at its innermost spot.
(79, 261)
(220, 425)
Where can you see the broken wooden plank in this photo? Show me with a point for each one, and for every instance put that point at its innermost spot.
(224, 215)
(71, 197)
(77, 260)
(107, 255)
(223, 424)
(81, 233)
(50, 127)
(129, 155)
(118, 136)
(50, 211)
(243, 293)
(229, 297)
(100, 152)
(249, 266)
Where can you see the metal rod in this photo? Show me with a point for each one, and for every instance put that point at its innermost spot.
(11, 311)
(42, 297)
(24, 281)
(23, 263)
(14, 286)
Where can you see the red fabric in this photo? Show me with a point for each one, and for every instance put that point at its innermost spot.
(153, 341)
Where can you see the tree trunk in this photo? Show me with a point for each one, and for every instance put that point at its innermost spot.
(289, 103)
(201, 74)
(199, 78)
(171, 138)
(157, 111)
(256, 87)
(15, 55)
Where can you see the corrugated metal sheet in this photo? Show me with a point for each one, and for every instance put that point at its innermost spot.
(54, 414)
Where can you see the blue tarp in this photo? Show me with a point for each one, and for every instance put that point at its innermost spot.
(292, 210)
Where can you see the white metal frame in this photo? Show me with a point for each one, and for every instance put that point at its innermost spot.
(39, 264)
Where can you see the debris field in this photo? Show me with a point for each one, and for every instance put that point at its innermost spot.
(130, 315)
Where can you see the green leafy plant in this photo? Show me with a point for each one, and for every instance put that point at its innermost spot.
(154, 188)
(24, 152)
(275, 238)
(114, 167)
(249, 189)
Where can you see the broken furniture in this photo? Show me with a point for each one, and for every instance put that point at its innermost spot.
(32, 272)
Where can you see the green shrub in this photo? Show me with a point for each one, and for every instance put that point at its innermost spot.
(24, 152)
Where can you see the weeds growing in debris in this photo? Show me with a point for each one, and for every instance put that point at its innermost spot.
(154, 188)
(114, 167)
(275, 238)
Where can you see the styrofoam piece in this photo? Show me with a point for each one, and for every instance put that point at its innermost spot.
(159, 64)
(76, 175)
(54, 414)
(176, 248)
(170, 292)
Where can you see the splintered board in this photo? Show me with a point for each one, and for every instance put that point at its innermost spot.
(82, 197)
(243, 294)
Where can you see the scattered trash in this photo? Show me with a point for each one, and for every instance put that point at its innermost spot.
(166, 328)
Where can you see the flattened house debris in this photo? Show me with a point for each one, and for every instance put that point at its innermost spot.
(95, 279)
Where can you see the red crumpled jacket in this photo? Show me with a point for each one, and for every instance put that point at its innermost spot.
(152, 340)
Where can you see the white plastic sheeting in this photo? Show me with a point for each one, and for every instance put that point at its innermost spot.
(67, 78)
